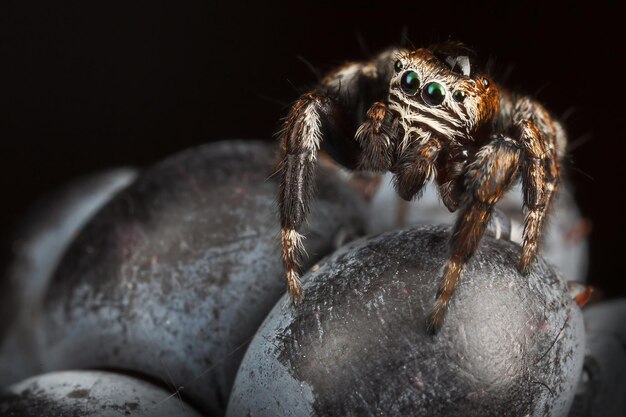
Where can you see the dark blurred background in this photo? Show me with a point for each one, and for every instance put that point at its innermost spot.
(88, 85)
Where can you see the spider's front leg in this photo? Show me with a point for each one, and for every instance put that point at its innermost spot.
(300, 140)
(487, 178)
(331, 113)
(313, 114)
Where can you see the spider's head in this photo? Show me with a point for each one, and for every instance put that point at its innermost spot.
(437, 88)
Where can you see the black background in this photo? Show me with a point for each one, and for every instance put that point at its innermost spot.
(87, 85)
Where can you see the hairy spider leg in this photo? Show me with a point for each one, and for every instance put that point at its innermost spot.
(540, 176)
(488, 177)
(416, 167)
(377, 137)
(301, 139)
(325, 117)
(452, 164)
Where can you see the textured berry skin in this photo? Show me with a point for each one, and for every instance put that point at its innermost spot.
(89, 394)
(38, 243)
(358, 345)
(173, 277)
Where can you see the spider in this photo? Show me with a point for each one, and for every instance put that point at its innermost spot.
(431, 117)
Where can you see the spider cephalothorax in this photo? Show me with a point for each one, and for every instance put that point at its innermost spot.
(426, 92)
(431, 117)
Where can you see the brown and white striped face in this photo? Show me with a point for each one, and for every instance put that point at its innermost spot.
(434, 99)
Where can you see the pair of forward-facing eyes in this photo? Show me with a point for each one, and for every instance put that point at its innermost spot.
(433, 93)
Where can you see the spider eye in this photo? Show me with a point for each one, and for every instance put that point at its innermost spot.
(458, 95)
(433, 93)
(397, 66)
(409, 82)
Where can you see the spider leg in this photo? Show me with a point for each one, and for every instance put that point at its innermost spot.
(487, 178)
(540, 177)
(376, 136)
(450, 178)
(331, 113)
(416, 167)
(300, 139)
(450, 194)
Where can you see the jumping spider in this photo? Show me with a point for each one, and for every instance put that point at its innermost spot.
(432, 118)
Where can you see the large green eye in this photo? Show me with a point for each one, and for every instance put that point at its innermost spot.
(433, 94)
(409, 82)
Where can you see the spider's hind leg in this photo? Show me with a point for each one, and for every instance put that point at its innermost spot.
(540, 178)
(487, 178)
